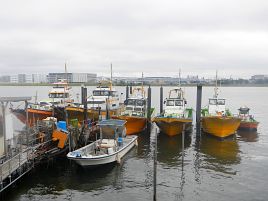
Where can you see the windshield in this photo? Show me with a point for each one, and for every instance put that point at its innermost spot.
(101, 93)
(96, 102)
(216, 102)
(170, 102)
(135, 102)
(58, 95)
(178, 102)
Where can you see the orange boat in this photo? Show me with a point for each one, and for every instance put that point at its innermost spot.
(175, 114)
(220, 126)
(217, 120)
(59, 96)
(135, 113)
(133, 124)
(173, 126)
(248, 122)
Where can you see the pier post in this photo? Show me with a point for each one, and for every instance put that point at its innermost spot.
(149, 99)
(198, 109)
(130, 89)
(127, 92)
(161, 99)
(182, 146)
(85, 104)
(155, 164)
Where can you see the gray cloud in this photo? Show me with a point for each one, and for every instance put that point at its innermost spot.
(157, 37)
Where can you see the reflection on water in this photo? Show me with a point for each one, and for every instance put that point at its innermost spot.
(170, 148)
(220, 151)
(219, 155)
(248, 136)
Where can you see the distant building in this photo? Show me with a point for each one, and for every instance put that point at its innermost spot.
(39, 78)
(5, 78)
(72, 77)
(259, 77)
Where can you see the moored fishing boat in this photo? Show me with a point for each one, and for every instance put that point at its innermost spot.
(105, 99)
(216, 119)
(111, 147)
(135, 113)
(175, 114)
(248, 122)
(58, 97)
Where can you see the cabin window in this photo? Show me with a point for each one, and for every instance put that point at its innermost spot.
(178, 103)
(101, 93)
(221, 102)
(96, 102)
(140, 102)
(131, 102)
(213, 102)
(170, 102)
(58, 95)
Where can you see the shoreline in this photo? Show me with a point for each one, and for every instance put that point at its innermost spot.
(153, 85)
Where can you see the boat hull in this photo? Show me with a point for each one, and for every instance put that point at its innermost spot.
(78, 113)
(134, 125)
(172, 126)
(102, 160)
(248, 126)
(220, 126)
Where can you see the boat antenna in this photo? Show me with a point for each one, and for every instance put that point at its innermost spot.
(111, 81)
(216, 85)
(66, 77)
(180, 78)
(142, 90)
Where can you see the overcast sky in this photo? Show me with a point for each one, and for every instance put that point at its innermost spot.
(156, 37)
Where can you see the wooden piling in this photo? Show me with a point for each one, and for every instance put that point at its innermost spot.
(198, 109)
(161, 99)
(149, 104)
(182, 146)
(127, 92)
(85, 105)
(155, 164)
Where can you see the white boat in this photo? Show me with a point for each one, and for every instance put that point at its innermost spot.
(103, 97)
(105, 150)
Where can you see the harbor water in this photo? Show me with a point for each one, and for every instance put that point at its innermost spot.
(213, 169)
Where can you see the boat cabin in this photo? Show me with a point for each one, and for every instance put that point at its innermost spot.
(175, 104)
(216, 106)
(100, 96)
(135, 107)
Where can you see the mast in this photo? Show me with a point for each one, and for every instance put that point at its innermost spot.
(180, 78)
(142, 89)
(66, 77)
(216, 85)
(111, 81)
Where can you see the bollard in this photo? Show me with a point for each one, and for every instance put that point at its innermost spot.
(161, 99)
(198, 109)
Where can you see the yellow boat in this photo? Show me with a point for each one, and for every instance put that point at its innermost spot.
(172, 126)
(220, 126)
(175, 114)
(133, 124)
(78, 113)
(216, 119)
(135, 113)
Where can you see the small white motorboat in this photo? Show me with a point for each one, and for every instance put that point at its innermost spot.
(108, 149)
